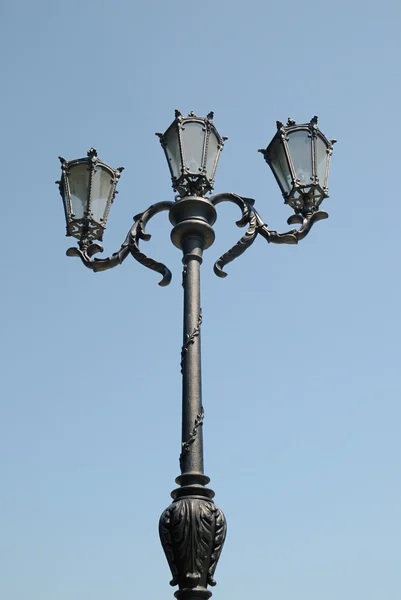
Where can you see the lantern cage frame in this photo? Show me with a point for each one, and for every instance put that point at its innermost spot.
(86, 228)
(304, 198)
(189, 183)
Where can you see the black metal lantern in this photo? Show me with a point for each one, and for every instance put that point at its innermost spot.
(88, 188)
(299, 156)
(192, 146)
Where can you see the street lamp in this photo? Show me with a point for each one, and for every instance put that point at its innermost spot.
(192, 529)
(299, 156)
(88, 188)
(192, 146)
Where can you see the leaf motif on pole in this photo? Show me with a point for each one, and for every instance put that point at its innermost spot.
(192, 533)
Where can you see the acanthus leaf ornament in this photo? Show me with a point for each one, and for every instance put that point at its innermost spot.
(192, 532)
(219, 539)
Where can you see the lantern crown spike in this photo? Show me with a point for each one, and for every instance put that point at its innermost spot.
(92, 153)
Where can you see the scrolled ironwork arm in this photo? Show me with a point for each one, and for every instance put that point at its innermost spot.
(137, 233)
(248, 218)
(256, 225)
(306, 222)
(130, 246)
(294, 235)
(87, 249)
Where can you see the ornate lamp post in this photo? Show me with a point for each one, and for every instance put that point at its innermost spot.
(192, 529)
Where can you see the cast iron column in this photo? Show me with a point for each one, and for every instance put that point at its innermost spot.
(191, 459)
(192, 529)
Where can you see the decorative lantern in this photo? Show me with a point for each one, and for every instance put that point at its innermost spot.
(88, 188)
(299, 156)
(192, 146)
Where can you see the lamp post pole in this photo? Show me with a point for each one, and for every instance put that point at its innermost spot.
(191, 459)
(192, 529)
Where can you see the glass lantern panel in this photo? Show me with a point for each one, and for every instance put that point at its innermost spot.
(172, 148)
(321, 160)
(102, 188)
(193, 139)
(300, 146)
(212, 154)
(279, 165)
(79, 189)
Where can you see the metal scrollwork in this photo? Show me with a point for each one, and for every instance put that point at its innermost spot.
(248, 217)
(87, 249)
(188, 443)
(191, 340)
(306, 222)
(256, 226)
(131, 245)
(294, 235)
(137, 233)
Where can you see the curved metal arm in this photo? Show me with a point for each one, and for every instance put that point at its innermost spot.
(131, 245)
(137, 233)
(256, 226)
(248, 217)
(306, 222)
(87, 250)
(294, 235)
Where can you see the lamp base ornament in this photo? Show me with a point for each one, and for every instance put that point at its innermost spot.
(192, 532)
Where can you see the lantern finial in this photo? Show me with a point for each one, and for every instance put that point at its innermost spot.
(92, 153)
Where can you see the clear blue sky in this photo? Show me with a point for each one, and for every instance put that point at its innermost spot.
(301, 345)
